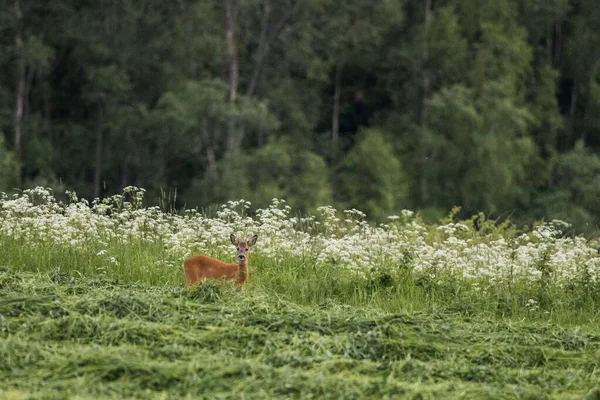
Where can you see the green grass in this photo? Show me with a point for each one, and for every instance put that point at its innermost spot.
(92, 305)
(304, 281)
(63, 336)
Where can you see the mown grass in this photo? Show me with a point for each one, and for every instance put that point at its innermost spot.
(63, 336)
(92, 305)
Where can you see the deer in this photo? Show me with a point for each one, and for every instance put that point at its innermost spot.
(199, 268)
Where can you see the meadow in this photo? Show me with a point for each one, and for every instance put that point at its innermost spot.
(92, 305)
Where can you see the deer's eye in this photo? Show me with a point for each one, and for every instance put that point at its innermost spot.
(246, 249)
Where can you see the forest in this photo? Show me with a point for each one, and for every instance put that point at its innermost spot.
(378, 105)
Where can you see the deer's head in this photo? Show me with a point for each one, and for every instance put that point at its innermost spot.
(243, 246)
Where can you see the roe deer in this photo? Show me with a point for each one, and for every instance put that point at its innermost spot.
(199, 268)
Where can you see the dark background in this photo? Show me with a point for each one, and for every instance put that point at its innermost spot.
(380, 105)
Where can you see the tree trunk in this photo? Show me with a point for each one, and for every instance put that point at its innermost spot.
(424, 191)
(231, 9)
(20, 91)
(335, 117)
(262, 50)
(19, 106)
(268, 34)
(212, 161)
(550, 45)
(424, 60)
(29, 75)
(47, 106)
(210, 150)
(557, 44)
(124, 172)
(589, 111)
(572, 110)
(98, 161)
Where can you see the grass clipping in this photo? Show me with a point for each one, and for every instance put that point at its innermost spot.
(77, 338)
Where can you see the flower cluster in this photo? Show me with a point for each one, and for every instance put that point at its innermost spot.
(344, 239)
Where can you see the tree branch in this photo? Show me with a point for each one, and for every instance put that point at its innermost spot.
(266, 39)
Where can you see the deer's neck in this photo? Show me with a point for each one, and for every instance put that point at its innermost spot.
(243, 271)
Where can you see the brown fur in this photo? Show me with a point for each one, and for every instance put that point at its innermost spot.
(199, 268)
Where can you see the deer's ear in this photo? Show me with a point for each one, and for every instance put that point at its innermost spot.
(252, 241)
(233, 239)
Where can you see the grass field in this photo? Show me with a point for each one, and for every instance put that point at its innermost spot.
(92, 306)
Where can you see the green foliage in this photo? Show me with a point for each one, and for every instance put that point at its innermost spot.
(106, 85)
(279, 169)
(200, 115)
(102, 95)
(371, 177)
(193, 113)
(579, 170)
(548, 121)
(594, 106)
(9, 167)
(476, 149)
(576, 190)
(36, 53)
(447, 49)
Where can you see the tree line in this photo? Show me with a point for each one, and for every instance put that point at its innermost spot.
(379, 105)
